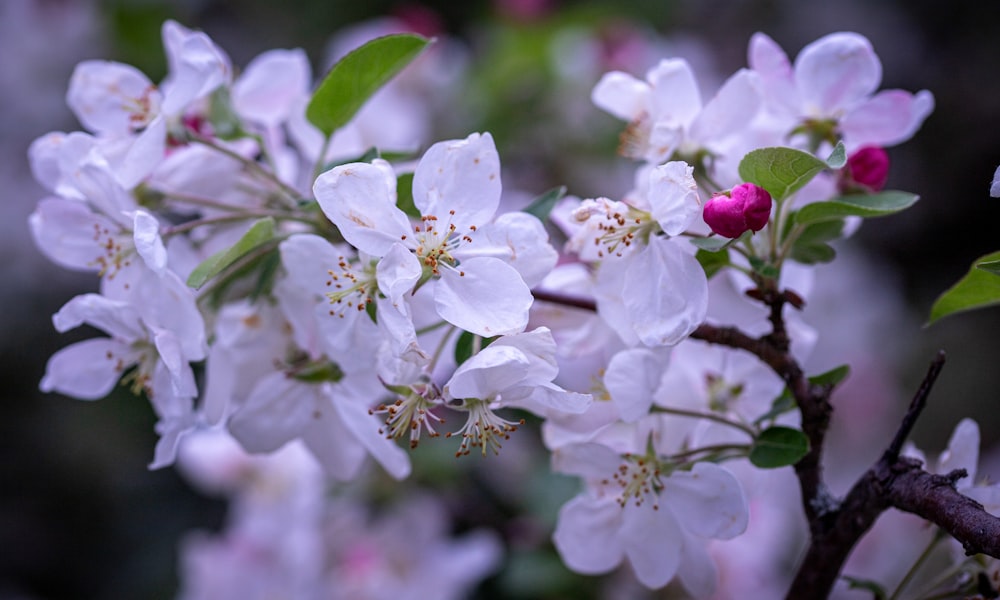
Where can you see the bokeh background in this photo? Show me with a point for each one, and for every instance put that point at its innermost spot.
(82, 517)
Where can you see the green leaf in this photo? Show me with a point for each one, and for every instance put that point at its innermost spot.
(542, 206)
(463, 347)
(404, 195)
(992, 266)
(811, 247)
(259, 233)
(837, 158)
(779, 406)
(979, 288)
(357, 76)
(779, 170)
(861, 205)
(778, 446)
(831, 377)
(712, 262)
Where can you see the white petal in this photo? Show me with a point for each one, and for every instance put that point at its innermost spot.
(589, 460)
(270, 85)
(118, 319)
(360, 199)
(488, 373)
(767, 58)
(731, 110)
(586, 535)
(520, 240)
(397, 273)
(708, 500)
(962, 452)
(995, 186)
(622, 95)
(87, 370)
(835, 72)
(461, 176)
(632, 378)
(307, 259)
(197, 67)
(697, 570)
(64, 230)
(888, 118)
(111, 98)
(673, 197)
(675, 97)
(277, 411)
(149, 245)
(365, 429)
(665, 293)
(652, 540)
(489, 299)
(333, 444)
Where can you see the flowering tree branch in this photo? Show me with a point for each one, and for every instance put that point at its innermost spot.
(894, 481)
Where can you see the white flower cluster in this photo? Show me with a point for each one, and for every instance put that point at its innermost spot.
(253, 286)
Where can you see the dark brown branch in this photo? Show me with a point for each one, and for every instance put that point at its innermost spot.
(916, 407)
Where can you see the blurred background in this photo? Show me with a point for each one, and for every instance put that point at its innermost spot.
(82, 517)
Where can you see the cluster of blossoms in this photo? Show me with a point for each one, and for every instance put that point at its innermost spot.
(257, 287)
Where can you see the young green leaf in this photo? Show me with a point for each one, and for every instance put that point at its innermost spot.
(979, 288)
(867, 205)
(259, 233)
(831, 377)
(542, 206)
(778, 446)
(781, 171)
(779, 406)
(357, 76)
(712, 262)
(712, 243)
(811, 247)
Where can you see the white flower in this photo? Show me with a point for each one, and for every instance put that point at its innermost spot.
(834, 79)
(658, 521)
(475, 275)
(513, 371)
(666, 114)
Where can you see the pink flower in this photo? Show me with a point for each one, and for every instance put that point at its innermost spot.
(867, 171)
(745, 207)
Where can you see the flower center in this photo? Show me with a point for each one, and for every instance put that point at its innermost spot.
(114, 250)
(349, 288)
(614, 226)
(484, 429)
(636, 480)
(435, 241)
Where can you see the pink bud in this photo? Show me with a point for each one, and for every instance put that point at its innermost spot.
(867, 171)
(746, 206)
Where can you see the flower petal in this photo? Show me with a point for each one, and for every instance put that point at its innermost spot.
(489, 299)
(586, 535)
(835, 72)
(708, 500)
(665, 293)
(653, 542)
(360, 199)
(87, 370)
(461, 176)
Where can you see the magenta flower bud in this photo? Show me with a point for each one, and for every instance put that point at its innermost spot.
(867, 171)
(745, 207)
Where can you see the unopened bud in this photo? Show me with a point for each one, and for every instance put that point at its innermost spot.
(867, 171)
(745, 207)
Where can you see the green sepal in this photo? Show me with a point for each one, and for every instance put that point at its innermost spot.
(712, 262)
(320, 372)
